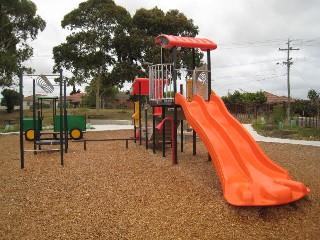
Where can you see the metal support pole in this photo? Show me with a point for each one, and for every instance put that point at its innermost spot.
(146, 124)
(134, 125)
(194, 134)
(209, 83)
(21, 119)
(61, 120)
(140, 127)
(66, 143)
(34, 117)
(181, 136)
(181, 124)
(163, 133)
(153, 131)
(209, 74)
(175, 114)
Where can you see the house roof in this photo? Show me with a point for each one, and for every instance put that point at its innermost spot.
(122, 95)
(75, 97)
(271, 98)
(30, 98)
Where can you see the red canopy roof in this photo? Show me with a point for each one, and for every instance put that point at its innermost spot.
(144, 86)
(168, 41)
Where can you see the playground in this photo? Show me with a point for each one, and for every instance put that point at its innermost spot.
(110, 192)
(130, 184)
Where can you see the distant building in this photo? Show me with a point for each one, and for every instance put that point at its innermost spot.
(121, 100)
(274, 99)
(75, 100)
(28, 101)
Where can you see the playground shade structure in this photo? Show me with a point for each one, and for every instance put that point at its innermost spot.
(247, 175)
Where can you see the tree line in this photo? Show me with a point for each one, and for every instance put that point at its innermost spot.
(106, 46)
(300, 107)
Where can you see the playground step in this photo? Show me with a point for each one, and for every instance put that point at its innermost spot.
(110, 122)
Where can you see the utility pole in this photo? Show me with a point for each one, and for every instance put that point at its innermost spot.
(288, 63)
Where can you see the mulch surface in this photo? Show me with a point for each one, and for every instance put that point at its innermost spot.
(110, 192)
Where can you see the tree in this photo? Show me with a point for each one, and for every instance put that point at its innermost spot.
(303, 108)
(246, 98)
(10, 99)
(314, 96)
(278, 114)
(107, 46)
(89, 51)
(150, 23)
(89, 98)
(18, 23)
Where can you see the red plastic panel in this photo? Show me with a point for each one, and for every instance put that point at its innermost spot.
(144, 86)
(168, 41)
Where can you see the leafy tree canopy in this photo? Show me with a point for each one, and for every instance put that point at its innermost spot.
(150, 23)
(18, 23)
(10, 99)
(313, 95)
(303, 108)
(108, 46)
(89, 51)
(245, 98)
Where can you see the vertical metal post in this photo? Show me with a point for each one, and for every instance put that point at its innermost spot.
(21, 119)
(140, 127)
(40, 105)
(54, 101)
(209, 83)
(153, 131)
(134, 124)
(146, 124)
(66, 143)
(61, 120)
(209, 74)
(175, 114)
(181, 137)
(163, 133)
(194, 134)
(181, 124)
(34, 116)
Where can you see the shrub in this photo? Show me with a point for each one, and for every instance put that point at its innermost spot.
(278, 114)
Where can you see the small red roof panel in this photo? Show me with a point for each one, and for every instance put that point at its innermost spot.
(168, 41)
(144, 86)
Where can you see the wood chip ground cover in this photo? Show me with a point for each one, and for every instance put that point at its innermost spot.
(110, 192)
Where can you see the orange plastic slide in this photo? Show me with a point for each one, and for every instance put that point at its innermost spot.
(248, 177)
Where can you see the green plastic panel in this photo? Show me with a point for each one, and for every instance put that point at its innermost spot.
(73, 121)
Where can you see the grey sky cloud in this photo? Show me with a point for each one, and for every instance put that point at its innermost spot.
(248, 33)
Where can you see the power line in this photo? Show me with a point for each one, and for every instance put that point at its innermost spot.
(302, 78)
(258, 80)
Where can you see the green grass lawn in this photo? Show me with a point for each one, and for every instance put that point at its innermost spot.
(112, 114)
(126, 114)
(300, 133)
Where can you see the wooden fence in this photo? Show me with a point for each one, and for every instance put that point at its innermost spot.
(247, 114)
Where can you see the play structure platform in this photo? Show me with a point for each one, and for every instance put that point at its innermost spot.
(248, 177)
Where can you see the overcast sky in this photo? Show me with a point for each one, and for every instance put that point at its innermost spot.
(248, 33)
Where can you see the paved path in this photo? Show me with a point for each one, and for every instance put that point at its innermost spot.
(109, 127)
(260, 138)
(249, 128)
(255, 135)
